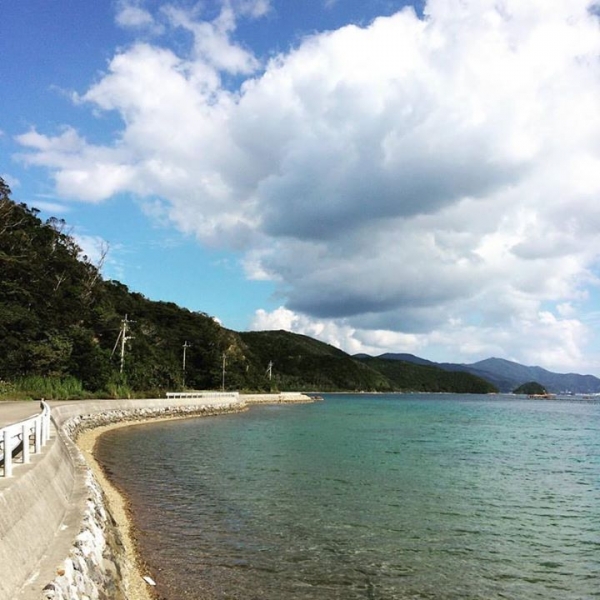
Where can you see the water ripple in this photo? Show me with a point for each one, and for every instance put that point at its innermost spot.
(386, 498)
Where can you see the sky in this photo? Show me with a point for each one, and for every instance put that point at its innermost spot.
(383, 175)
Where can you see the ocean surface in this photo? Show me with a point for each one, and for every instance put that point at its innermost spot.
(369, 496)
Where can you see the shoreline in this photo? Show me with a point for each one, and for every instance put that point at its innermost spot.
(133, 570)
(117, 503)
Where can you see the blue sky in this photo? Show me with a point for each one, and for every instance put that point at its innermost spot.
(382, 175)
(55, 49)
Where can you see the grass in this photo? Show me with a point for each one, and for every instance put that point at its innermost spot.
(51, 388)
(36, 387)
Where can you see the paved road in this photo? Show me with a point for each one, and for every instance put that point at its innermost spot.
(13, 412)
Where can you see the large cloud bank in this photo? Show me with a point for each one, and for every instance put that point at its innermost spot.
(415, 184)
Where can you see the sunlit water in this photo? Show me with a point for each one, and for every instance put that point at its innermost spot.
(376, 497)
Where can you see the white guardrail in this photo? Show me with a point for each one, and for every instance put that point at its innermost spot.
(23, 437)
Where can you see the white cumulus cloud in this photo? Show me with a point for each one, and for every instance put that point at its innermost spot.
(417, 183)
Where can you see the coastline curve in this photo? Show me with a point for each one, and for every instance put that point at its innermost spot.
(60, 538)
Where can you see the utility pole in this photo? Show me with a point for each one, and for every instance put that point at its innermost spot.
(185, 347)
(223, 378)
(123, 337)
(270, 370)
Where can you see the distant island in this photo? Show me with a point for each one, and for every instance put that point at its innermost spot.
(68, 333)
(531, 388)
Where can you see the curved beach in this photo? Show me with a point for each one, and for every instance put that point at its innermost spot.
(136, 580)
(65, 528)
(132, 570)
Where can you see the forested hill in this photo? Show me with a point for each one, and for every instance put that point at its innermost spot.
(507, 375)
(60, 322)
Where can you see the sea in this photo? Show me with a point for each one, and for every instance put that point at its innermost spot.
(380, 497)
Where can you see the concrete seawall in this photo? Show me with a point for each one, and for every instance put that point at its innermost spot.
(283, 397)
(58, 539)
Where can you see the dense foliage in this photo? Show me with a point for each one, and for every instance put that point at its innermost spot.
(423, 378)
(531, 388)
(59, 319)
(303, 363)
(60, 323)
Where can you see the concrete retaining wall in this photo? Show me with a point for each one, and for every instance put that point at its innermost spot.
(32, 508)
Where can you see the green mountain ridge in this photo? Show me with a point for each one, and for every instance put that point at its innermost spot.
(507, 375)
(61, 322)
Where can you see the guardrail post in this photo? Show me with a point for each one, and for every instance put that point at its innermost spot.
(7, 454)
(25, 437)
(46, 419)
(42, 429)
(38, 436)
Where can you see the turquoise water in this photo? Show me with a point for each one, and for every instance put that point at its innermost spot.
(374, 497)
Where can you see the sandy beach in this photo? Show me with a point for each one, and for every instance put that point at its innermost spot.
(133, 569)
